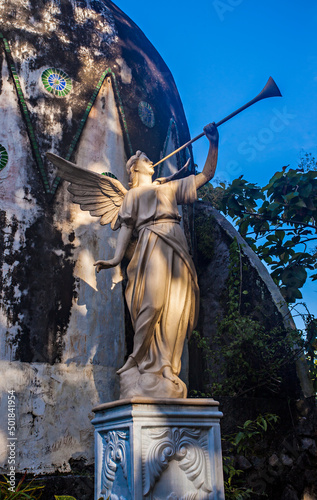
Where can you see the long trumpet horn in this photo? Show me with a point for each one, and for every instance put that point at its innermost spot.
(270, 90)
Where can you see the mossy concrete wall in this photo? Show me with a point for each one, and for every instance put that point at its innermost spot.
(62, 327)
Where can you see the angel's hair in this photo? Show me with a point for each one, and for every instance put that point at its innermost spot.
(130, 169)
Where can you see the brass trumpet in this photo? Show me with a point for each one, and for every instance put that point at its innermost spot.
(270, 90)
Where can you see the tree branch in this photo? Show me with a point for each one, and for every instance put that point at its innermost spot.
(285, 221)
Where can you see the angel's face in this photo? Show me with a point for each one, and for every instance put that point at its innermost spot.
(144, 165)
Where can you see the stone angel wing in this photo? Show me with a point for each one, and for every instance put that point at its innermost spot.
(101, 195)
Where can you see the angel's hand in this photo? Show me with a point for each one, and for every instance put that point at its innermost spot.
(212, 134)
(105, 264)
(177, 175)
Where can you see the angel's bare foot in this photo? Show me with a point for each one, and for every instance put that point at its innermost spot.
(167, 373)
(130, 363)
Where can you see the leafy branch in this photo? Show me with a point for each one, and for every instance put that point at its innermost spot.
(290, 198)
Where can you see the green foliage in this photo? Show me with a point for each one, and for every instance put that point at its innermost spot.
(22, 491)
(64, 497)
(28, 491)
(248, 356)
(67, 497)
(205, 238)
(311, 347)
(244, 442)
(233, 199)
(278, 221)
(233, 484)
(251, 433)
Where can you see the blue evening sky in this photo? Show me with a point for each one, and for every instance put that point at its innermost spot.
(221, 53)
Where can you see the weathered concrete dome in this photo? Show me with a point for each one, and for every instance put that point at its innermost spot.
(80, 79)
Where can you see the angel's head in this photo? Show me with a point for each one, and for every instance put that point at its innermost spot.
(139, 166)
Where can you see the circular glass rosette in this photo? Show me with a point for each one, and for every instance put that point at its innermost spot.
(56, 82)
(146, 114)
(3, 157)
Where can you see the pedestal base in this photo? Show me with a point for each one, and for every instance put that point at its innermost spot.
(154, 449)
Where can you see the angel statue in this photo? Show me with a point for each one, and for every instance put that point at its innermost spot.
(162, 292)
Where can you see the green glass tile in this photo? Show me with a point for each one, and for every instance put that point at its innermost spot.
(56, 82)
(3, 157)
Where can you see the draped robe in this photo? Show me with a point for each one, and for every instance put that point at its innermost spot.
(162, 292)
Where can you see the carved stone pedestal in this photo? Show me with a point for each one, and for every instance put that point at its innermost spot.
(154, 449)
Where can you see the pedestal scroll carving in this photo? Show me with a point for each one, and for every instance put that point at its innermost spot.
(116, 454)
(151, 449)
(187, 446)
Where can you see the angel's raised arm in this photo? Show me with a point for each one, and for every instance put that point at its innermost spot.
(101, 195)
(208, 172)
